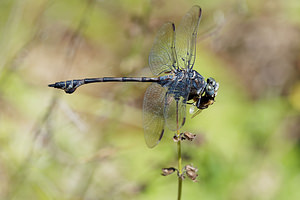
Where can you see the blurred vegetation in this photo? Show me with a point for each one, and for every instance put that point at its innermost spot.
(90, 145)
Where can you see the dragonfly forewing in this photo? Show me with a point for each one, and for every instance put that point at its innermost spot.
(153, 114)
(162, 57)
(186, 36)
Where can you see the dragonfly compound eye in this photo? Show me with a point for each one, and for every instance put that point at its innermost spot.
(216, 88)
(211, 81)
(212, 87)
(210, 90)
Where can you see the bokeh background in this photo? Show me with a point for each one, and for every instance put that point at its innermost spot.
(90, 145)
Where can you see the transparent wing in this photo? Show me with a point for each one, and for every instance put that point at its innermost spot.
(186, 36)
(197, 112)
(153, 116)
(175, 112)
(162, 56)
(175, 105)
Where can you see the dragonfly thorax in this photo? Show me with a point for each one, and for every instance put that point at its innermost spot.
(197, 83)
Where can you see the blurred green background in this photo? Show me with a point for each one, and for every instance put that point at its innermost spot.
(90, 145)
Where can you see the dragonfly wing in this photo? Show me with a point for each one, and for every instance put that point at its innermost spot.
(162, 57)
(153, 117)
(186, 36)
(196, 113)
(175, 112)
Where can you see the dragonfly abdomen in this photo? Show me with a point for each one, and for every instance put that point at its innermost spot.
(71, 85)
(121, 79)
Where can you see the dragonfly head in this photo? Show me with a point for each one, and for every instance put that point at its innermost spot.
(210, 92)
(212, 87)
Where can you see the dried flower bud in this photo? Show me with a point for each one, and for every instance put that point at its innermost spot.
(190, 168)
(168, 171)
(191, 172)
(189, 136)
(176, 138)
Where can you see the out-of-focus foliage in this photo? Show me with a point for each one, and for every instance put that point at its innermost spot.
(90, 145)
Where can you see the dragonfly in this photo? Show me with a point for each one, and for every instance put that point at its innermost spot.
(175, 83)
